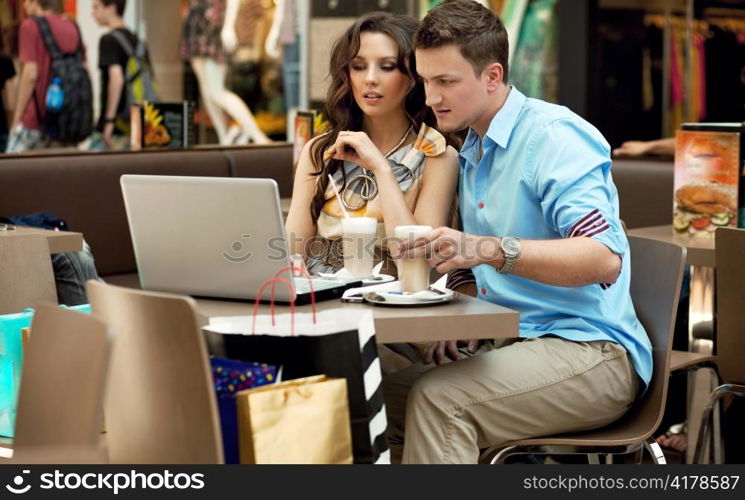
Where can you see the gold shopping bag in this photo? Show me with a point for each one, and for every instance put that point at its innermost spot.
(300, 421)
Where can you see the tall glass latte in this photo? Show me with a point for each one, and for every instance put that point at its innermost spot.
(358, 245)
(412, 273)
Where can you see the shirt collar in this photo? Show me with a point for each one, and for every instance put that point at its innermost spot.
(504, 121)
(500, 128)
(470, 150)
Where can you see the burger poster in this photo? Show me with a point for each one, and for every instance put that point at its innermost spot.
(707, 176)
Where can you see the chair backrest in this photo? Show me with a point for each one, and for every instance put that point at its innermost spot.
(656, 276)
(26, 275)
(730, 298)
(63, 381)
(160, 405)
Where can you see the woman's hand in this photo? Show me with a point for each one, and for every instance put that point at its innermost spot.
(447, 351)
(358, 148)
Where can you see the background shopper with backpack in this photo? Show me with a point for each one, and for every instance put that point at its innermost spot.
(32, 124)
(126, 73)
(7, 95)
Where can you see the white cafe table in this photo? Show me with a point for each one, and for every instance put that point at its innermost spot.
(463, 318)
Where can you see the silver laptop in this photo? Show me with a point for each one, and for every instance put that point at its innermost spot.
(212, 237)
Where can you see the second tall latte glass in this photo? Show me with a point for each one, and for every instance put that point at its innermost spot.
(412, 273)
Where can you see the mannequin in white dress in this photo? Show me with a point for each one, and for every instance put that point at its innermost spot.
(205, 47)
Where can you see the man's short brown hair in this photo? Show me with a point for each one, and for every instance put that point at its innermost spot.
(474, 29)
(53, 5)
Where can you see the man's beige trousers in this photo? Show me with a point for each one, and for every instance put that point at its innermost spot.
(523, 388)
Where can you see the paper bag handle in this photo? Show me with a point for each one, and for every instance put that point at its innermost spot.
(272, 282)
(304, 271)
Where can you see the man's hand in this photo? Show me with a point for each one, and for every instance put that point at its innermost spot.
(446, 249)
(447, 351)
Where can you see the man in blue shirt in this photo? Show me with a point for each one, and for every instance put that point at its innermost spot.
(542, 235)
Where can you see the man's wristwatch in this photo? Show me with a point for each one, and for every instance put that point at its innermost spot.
(511, 250)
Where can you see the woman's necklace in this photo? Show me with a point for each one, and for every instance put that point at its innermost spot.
(368, 186)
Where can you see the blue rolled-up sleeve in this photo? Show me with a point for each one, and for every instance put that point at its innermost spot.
(573, 183)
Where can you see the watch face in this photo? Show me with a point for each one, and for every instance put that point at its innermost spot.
(511, 246)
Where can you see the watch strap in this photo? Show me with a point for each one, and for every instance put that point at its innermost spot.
(509, 263)
(509, 260)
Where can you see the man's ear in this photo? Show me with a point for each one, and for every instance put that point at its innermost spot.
(493, 74)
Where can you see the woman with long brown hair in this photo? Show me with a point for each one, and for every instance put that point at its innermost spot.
(385, 158)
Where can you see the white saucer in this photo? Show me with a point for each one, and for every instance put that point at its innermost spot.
(378, 279)
(394, 298)
(375, 279)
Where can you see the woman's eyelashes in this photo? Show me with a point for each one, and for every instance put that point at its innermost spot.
(383, 67)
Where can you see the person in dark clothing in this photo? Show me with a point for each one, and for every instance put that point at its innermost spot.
(71, 269)
(7, 88)
(112, 61)
(27, 128)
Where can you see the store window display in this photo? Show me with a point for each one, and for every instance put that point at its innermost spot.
(283, 42)
(208, 34)
(254, 74)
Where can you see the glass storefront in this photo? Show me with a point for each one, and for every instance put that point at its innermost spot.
(244, 67)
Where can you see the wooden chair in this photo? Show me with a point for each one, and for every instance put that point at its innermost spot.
(160, 405)
(656, 275)
(26, 275)
(62, 387)
(729, 329)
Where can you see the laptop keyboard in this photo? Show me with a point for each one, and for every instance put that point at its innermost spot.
(302, 285)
